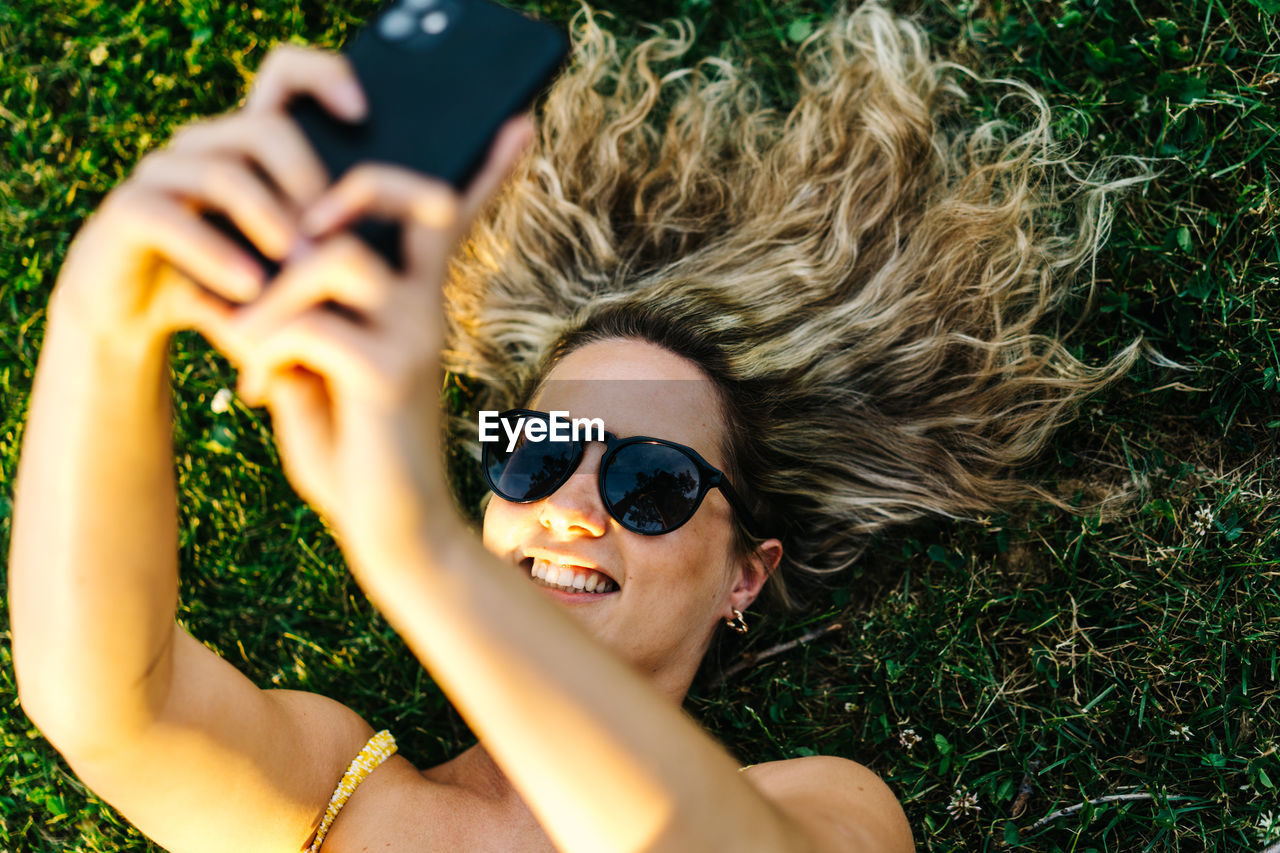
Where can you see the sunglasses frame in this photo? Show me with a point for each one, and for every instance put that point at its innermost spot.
(709, 476)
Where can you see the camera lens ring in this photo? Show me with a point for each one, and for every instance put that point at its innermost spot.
(396, 25)
(434, 23)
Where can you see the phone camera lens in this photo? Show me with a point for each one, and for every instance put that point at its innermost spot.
(435, 23)
(396, 24)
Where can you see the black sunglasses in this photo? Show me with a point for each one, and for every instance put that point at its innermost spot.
(650, 485)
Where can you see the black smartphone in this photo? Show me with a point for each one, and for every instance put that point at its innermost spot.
(441, 77)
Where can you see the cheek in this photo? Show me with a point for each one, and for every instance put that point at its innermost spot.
(715, 558)
(697, 563)
(501, 524)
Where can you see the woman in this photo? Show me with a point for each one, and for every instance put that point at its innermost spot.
(832, 325)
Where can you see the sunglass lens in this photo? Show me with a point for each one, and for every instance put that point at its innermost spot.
(651, 488)
(531, 471)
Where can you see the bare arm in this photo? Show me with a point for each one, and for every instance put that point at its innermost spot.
(94, 543)
(160, 726)
(153, 721)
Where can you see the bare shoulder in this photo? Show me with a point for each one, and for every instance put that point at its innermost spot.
(221, 746)
(842, 804)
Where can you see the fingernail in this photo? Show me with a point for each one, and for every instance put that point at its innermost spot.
(526, 132)
(251, 275)
(434, 211)
(351, 101)
(300, 249)
(321, 215)
(247, 388)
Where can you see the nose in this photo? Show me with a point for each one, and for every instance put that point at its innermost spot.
(575, 509)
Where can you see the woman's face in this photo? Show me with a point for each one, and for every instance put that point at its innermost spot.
(674, 589)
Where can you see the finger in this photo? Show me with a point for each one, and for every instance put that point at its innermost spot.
(398, 193)
(302, 419)
(226, 185)
(184, 304)
(290, 70)
(342, 268)
(383, 191)
(326, 344)
(273, 141)
(508, 147)
(428, 207)
(188, 242)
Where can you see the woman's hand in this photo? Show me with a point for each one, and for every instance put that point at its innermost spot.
(131, 272)
(354, 394)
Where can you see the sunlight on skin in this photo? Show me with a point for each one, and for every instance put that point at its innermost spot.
(518, 671)
(674, 588)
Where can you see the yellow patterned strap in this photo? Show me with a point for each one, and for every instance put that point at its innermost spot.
(379, 748)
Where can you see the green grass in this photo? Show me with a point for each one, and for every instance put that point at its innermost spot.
(1138, 654)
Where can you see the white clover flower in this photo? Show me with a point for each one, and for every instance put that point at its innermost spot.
(908, 738)
(1268, 827)
(962, 803)
(98, 55)
(1183, 731)
(1204, 518)
(221, 401)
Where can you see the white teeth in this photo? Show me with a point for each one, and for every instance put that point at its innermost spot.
(570, 579)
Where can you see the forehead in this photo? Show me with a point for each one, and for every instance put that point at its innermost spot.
(637, 388)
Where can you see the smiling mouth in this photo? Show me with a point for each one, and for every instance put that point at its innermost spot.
(574, 579)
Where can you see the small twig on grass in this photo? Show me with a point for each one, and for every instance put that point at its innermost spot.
(752, 658)
(1110, 798)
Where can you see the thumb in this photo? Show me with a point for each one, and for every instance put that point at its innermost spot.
(512, 141)
(183, 304)
(426, 243)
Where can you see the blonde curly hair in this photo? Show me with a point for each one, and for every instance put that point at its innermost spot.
(865, 277)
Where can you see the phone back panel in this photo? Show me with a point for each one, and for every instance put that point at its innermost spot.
(437, 100)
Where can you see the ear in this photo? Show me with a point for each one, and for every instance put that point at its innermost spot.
(753, 570)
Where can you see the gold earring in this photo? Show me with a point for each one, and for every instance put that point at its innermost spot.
(737, 623)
